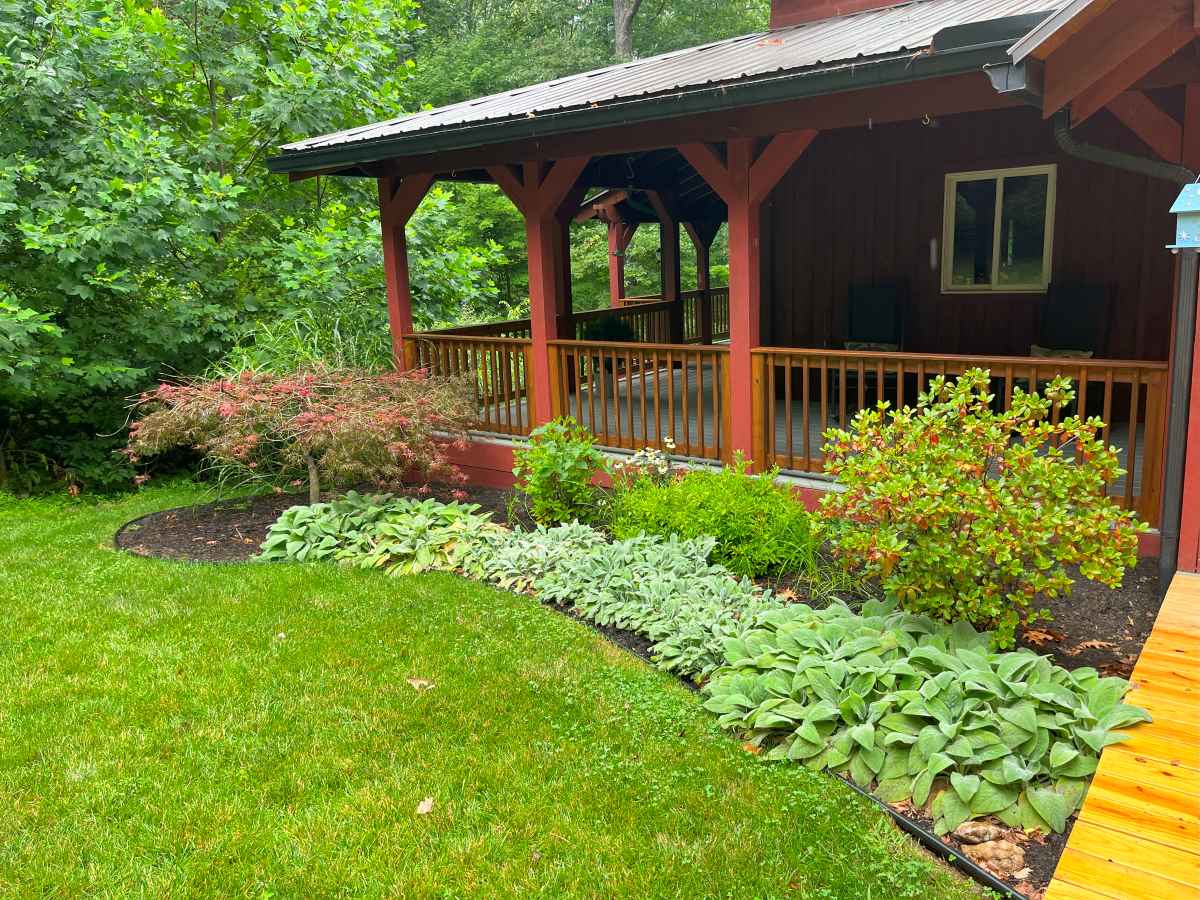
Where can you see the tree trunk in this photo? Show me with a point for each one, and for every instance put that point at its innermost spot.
(314, 480)
(623, 13)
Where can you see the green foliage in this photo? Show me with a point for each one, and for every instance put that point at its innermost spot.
(757, 525)
(968, 514)
(922, 711)
(401, 536)
(555, 469)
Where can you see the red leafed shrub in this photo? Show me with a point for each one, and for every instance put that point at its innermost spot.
(344, 426)
(968, 513)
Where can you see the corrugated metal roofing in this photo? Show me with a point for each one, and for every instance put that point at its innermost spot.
(811, 46)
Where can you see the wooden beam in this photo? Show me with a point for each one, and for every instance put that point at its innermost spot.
(1116, 36)
(1154, 127)
(775, 160)
(1121, 77)
(708, 164)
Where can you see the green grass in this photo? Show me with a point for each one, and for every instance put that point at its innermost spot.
(170, 729)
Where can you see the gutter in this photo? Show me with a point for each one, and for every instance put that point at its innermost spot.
(711, 98)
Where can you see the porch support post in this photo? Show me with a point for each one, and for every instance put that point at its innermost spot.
(398, 200)
(744, 181)
(668, 243)
(616, 264)
(540, 194)
(703, 234)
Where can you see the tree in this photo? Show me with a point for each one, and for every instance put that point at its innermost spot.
(624, 12)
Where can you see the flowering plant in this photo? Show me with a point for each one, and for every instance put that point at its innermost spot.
(649, 463)
(968, 514)
(343, 425)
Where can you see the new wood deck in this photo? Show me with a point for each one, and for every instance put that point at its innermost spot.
(1138, 834)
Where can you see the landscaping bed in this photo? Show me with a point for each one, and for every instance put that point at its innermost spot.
(233, 530)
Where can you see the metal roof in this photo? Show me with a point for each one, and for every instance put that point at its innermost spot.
(1051, 26)
(812, 47)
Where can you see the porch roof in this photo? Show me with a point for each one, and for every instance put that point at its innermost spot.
(920, 39)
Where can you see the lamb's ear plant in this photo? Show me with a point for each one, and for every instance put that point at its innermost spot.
(970, 514)
(920, 711)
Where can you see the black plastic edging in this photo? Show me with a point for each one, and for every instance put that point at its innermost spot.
(934, 845)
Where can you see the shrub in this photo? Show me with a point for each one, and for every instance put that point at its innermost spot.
(402, 536)
(921, 711)
(343, 425)
(555, 470)
(966, 513)
(757, 525)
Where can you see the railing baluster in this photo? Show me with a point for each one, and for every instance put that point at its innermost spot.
(805, 403)
(1131, 445)
(684, 402)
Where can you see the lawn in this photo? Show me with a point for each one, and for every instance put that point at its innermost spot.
(173, 729)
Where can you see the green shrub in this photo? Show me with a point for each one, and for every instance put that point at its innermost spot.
(399, 535)
(969, 514)
(920, 710)
(757, 525)
(555, 470)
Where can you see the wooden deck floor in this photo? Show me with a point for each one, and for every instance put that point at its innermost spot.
(1138, 834)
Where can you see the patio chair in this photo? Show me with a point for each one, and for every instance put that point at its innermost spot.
(1074, 322)
(874, 321)
(1073, 325)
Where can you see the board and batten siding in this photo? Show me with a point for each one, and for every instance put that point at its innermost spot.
(862, 205)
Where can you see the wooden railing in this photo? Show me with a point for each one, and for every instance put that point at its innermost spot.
(650, 322)
(804, 392)
(513, 328)
(498, 369)
(634, 395)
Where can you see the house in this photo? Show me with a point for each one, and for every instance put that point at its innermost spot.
(909, 189)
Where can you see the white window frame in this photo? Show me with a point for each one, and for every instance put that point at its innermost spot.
(998, 175)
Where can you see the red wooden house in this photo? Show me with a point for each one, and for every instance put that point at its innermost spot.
(909, 189)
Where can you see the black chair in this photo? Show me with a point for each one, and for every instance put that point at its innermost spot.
(874, 321)
(1074, 321)
(875, 316)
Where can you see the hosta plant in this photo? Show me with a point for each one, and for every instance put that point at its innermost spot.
(969, 514)
(399, 535)
(917, 710)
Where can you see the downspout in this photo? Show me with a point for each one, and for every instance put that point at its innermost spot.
(1181, 352)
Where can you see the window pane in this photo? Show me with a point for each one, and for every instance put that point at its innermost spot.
(1023, 229)
(974, 232)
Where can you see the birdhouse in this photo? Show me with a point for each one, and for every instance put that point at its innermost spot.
(1187, 221)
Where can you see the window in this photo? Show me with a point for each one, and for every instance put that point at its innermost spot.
(998, 231)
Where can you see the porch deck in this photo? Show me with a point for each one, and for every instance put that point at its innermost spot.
(1138, 834)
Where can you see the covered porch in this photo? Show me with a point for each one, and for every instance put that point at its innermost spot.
(891, 216)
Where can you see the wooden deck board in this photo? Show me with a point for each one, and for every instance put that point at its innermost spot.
(1138, 834)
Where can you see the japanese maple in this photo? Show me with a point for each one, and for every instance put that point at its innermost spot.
(344, 426)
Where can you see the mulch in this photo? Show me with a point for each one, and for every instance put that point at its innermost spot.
(1094, 626)
(228, 531)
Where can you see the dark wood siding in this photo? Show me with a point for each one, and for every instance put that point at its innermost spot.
(862, 205)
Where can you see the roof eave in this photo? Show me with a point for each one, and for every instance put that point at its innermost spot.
(891, 70)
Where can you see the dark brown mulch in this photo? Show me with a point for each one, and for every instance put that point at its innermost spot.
(1098, 626)
(232, 530)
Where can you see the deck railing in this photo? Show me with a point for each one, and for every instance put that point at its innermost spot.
(650, 321)
(496, 367)
(634, 395)
(804, 392)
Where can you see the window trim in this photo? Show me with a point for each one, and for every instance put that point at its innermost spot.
(953, 179)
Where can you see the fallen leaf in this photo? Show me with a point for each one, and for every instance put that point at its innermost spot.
(1091, 645)
(787, 595)
(420, 684)
(1022, 874)
(1040, 637)
(751, 748)
(425, 807)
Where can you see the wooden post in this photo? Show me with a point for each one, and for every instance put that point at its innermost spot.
(702, 235)
(1189, 526)
(668, 244)
(541, 194)
(398, 200)
(744, 180)
(616, 263)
